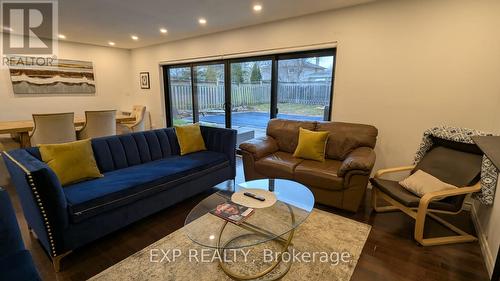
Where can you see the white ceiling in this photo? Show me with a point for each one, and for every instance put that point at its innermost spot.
(99, 21)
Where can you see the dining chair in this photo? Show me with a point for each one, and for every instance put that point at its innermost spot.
(139, 125)
(100, 123)
(53, 128)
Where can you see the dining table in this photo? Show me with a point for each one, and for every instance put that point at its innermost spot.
(24, 127)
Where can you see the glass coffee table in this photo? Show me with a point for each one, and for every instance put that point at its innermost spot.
(275, 223)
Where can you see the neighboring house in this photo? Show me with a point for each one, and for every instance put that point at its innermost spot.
(298, 71)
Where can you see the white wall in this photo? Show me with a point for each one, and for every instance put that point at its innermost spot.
(112, 72)
(402, 66)
(487, 221)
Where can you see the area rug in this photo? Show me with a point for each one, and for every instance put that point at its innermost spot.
(325, 247)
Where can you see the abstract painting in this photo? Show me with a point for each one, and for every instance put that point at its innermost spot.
(57, 76)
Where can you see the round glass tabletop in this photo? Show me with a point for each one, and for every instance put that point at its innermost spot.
(293, 205)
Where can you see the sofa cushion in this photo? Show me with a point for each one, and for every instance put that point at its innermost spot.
(278, 165)
(286, 132)
(403, 196)
(121, 187)
(345, 137)
(118, 152)
(320, 174)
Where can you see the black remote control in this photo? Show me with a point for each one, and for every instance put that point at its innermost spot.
(254, 196)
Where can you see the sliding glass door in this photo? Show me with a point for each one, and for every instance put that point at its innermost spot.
(209, 95)
(304, 87)
(250, 97)
(181, 95)
(245, 93)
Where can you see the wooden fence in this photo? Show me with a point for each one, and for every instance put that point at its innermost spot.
(211, 95)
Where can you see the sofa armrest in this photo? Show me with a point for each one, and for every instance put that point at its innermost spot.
(221, 140)
(361, 159)
(260, 147)
(42, 198)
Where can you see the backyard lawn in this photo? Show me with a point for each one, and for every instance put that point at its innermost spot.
(292, 108)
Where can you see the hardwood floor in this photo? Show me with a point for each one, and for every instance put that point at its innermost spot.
(390, 252)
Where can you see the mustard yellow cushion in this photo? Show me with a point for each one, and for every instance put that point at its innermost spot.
(311, 145)
(189, 138)
(71, 162)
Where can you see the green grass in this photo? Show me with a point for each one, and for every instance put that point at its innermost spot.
(180, 122)
(291, 108)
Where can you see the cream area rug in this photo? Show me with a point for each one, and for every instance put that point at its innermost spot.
(325, 247)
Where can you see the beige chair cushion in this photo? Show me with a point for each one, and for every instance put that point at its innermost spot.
(421, 183)
(278, 165)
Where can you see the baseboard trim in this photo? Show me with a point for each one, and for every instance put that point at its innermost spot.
(483, 242)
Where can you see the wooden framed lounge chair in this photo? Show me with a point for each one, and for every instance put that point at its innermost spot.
(455, 163)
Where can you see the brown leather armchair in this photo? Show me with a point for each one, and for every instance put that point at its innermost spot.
(340, 181)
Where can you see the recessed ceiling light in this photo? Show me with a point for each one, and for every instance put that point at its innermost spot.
(111, 43)
(163, 30)
(257, 7)
(134, 37)
(61, 36)
(202, 21)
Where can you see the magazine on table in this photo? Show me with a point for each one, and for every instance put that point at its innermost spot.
(232, 212)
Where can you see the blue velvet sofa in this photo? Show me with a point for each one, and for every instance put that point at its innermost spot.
(15, 261)
(143, 173)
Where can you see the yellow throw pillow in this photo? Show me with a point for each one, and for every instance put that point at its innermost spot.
(189, 138)
(72, 161)
(311, 145)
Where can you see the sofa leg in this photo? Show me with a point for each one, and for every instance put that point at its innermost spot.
(56, 261)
